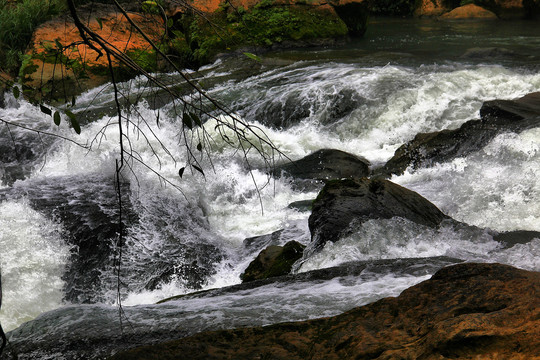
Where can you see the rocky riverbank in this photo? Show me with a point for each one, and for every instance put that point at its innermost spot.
(58, 63)
(466, 311)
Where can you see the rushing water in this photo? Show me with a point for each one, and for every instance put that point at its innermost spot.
(366, 97)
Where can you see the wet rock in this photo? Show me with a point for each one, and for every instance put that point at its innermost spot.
(302, 205)
(88, 211)
(428, 149)
(94, 332)
(489, 53)
(354, 14)
(273, 261)
(323, 165)
(433, 8)
(498, 116)
(469, 12)
(464, 311)
(258, 242)
(511, 238)
(341, 204)
(511, 113)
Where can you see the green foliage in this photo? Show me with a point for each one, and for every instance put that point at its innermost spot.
(466, 2)
(264, 25)
(18, 19)
(145, 58)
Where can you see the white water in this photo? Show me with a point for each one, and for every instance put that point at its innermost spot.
(497, 187)
(32, 262)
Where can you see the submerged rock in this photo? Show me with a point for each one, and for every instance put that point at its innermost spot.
(464, 311)
(273, 261)
(323, 165)
(342, 204)
(498, 116)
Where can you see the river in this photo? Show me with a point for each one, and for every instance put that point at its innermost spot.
(367, 96)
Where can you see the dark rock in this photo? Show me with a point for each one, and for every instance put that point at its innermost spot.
(428, 149)
(511, 238)
(302, 205)
(296, 230)
(465, 311)
(281, 114)
(273, 261)
(498, 116)
(532, 8)
(88, 211)
(511, 113)
(344, 202)
(354, 15)
(258, 242)
(322, 165)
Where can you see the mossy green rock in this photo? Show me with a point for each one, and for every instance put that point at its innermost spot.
(273, 261)
(267, 24)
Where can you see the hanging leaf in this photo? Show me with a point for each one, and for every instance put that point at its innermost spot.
(198, 169)
(196, 119)
(16, 92)
(74, 121)
(170, 23)
(58, 44)
(186, 119)
(73, 101)
(252, 56)
(199, 146)
(181, 172)
(45, 110)
(100, 23)
(57, 118)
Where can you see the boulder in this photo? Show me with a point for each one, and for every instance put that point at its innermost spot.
(46, 62)
(302, 205)
(498, 116)
(432, 8)
(324, 165)
(511, 113)
(465, 311)
(273, 261)
(469, 12)
(342, 203)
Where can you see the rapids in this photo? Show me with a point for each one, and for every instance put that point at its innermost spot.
(367, 97)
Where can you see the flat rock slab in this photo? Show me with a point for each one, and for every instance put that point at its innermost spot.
(465, 311)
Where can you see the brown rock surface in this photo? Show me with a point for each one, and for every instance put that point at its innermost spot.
(431, 8)
(465, 311)
(470, 11)
(112, 27)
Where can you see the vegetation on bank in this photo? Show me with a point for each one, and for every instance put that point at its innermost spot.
(264, 25)
(18, 20)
